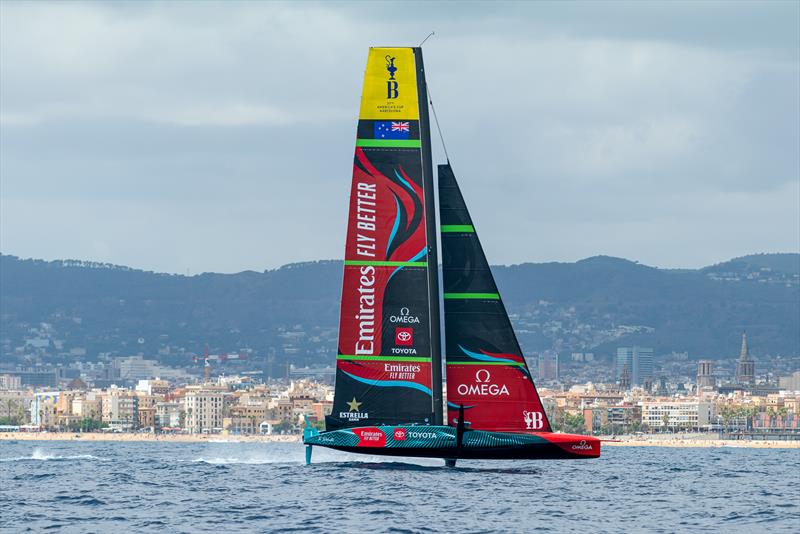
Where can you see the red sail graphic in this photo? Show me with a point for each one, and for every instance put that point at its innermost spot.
(495, 397)
(384, 373)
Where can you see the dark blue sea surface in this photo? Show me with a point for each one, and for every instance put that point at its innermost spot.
(247, 487)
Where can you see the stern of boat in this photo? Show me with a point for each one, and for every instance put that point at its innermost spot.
(573, 444)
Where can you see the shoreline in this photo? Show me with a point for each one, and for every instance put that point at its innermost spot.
(705, 443)
(143, 437)
(656, 441)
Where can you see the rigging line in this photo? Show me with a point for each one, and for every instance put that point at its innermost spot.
(436, 119)
(428, 37)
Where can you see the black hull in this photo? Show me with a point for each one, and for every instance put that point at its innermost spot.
(521, 452)
(452, 443)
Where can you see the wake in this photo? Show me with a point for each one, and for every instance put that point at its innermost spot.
(294, 454)
(40, 455)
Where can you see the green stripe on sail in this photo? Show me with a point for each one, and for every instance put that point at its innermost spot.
(387, 263)
(383, 358)
(478, 296)
(520, 364)
(391, 143)
(457, 228)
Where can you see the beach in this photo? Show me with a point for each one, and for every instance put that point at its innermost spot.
(146, 437)
(707, 443)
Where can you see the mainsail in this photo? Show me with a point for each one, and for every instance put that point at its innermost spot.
(388, 365)
(486, 371)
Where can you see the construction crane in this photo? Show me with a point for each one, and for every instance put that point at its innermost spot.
(206, 364)
(207, 358)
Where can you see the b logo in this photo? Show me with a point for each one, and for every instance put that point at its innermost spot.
(391, 89)
(533, 420)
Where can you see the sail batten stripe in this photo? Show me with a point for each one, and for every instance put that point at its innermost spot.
(387, 263)
(479, 296)
(391, 143)
(383, 358)
(457, 228)
(518, 364)
(390, 383)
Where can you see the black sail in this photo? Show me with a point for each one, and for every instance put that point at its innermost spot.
(486, 371)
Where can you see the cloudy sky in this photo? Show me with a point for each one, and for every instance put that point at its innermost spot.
(219, 137)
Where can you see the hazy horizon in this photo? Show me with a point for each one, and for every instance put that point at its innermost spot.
(219, 137)
(312, 260)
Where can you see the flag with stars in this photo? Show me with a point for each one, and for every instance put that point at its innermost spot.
(391, 129)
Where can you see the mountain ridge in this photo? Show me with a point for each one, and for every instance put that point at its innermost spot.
(593, 304)
(761, 258)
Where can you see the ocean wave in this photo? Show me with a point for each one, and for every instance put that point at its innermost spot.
(257, 487)
(40, 455)
(226, 460)
(296, 455)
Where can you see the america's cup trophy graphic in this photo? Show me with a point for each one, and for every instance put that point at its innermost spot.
(390, 66)
(528, 416)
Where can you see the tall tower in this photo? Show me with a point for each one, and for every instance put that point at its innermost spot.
(548, 365)
(639, 361)
(745, 367)
(625, 378)
(705, 373)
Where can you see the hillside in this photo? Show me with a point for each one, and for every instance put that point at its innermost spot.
(593, 304)
(787, 265)
(689, 310)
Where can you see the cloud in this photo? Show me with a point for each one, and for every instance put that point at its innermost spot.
(219, 136)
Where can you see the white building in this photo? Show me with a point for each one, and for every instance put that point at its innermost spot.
(791, 382)
(120, 408)
(168, 414)
(136, 368)
(153, 386)
(10, 382)
(204, 409)
(677, 414)
(88, 406)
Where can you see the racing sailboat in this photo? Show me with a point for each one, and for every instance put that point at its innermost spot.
(388, 397)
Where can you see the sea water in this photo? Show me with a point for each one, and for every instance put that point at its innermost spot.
(249, 487)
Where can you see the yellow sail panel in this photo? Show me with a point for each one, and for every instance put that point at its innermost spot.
(390, 85)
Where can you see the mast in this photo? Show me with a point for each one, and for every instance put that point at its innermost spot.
(431, 232)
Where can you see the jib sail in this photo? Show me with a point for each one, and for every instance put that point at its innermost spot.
(486, 371)
(384, 371)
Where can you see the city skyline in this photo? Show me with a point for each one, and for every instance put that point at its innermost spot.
(248, 404)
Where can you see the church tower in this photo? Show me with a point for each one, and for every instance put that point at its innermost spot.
(705, 374)
(745, 367)
(625, 378)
